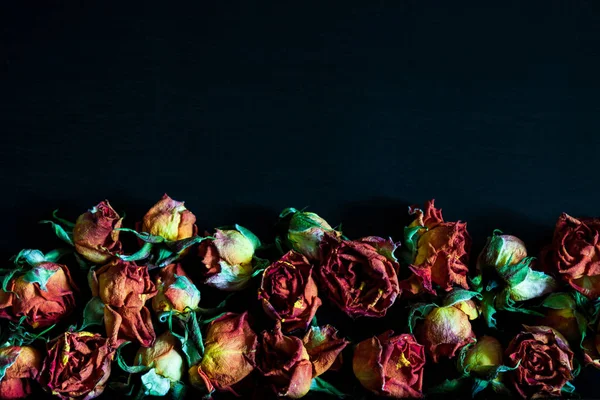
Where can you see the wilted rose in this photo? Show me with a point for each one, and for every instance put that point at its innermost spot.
(228, 258)
(175, 291)
(440, 250)
(289, 293)
(170, 219)
(229, 355)
(305, 232)
(485, 353)
(163, 356)
(22, 366)
(501, 250)
(445, 331)
(129, 323)
(44, 294)
(360, 275)
(77, 366)
(575, 254)
(95, 236)
(324, 348)
(390, 365)
(543, 361)
(285, 363)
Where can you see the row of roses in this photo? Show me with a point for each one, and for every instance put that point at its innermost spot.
(358, 276)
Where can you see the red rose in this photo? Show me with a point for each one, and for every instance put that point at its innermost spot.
(229, 355)
(440, 251)
(324, 348)
(44, 294)
(285, 363)
(24, 364)
(546, 362)
(390, 365)
(359, 275)
(77, 366)
(95, 235)
(575, 254)
(289, 293)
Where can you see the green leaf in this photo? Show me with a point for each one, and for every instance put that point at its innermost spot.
(568, 388)
(248, 235)
(154, 384)
(459, 295)
(93, 313)
(287, 212)
(515, 274)
(411, 239)
(500, 388)
(7, 360)
(559, 301)
(179, 246)
(66, 223)
(505, 303)
(448, 386)
(132, 370)
(60, 232)
(141, 254)
(488, 309)
(319, 385)
(55, 255)
(417, 312)
(83, 264)
(144, 236)
(29, 257)
(478, 386)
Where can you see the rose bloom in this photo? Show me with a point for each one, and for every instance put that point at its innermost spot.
(170, 219)
(285, 363)
(575, 254)
(391, 366)
(43, 306)
(77, 366)
(175, 290)
(228, 259)
(324, 348)
(546, 362)
(229, 355)
(359, 275)
(289, 293)
(24, 365)
(445, 331)
(95, 236)
(441, 250)
(163, 356)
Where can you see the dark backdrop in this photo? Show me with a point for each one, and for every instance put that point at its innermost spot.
(354, 111)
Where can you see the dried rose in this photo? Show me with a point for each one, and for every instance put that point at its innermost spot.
(175, 291)
(18, 367)
(500, 251)
(360, 275)
(543, 361)
(485, 353)
(324, 348)
(77, 366)
(229, 356)
(390, 366)
(285, 363)
(289, 293)
(170, 219)
(129, 323)
(95, 235)
(438, 251)
(575, 254)
(229, 258)
(44, 294)
(305, 232)
(163, 356)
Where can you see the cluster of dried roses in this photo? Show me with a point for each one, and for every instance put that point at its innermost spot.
(214, 350)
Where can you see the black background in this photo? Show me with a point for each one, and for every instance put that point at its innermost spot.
(352, 110)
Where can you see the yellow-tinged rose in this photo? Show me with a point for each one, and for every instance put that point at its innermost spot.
(487, 352)
(170, 219)
(163, 356)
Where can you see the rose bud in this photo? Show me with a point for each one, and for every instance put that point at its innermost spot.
(324, 348)
(563, 320)
(575, 254)
(95, 236)
(535, 284)
(175, 291)
(485, 353)
(445, 331)
(229, 355)
(440, 249)
(170, 219)
(121, 283)
(77, 365)
(360, 275)
(228, 258)
(285, 363)
(305, 232)
(289, 293)
(390, 366)
(44, 294)
(543, 362)
(18, 367)
(163, 356)
(501, 250)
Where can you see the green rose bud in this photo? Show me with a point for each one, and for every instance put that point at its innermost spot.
(483, 355)
(535, 284)
(501, 253)
(305, 232)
